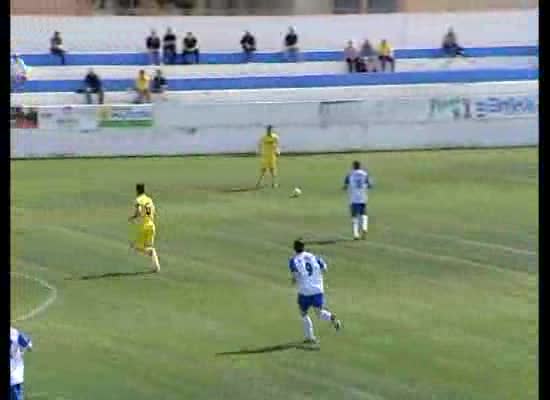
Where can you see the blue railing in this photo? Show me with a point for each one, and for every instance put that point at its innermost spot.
(301, 81)
(264, 57)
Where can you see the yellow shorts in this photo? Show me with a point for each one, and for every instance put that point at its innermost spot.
(269, 163)
(145, 237)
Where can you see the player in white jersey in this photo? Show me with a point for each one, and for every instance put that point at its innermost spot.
(307, 273)
(356, 183)
(19, 343)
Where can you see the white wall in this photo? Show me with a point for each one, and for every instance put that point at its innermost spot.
(406, 119)
(32, 33)
(295, 94)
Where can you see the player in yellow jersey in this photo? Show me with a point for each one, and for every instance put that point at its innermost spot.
(144, 216)
(269, 152)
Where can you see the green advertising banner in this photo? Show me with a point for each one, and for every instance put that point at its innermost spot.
(126, 116)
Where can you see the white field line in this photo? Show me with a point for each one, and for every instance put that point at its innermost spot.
(43, 306)
(484, 244)
(472, 242)
(440, 257)
(437, 257)
(38, 395)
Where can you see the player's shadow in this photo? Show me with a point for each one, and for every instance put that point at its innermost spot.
(239, 189)
(324, 242)
(272, 349)
(110, 275)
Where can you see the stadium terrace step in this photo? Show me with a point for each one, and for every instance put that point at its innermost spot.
(303, 81)
(259, 69)
(266, 57)
(277, 95)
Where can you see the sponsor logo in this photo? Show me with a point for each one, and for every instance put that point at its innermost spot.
(512, 106)
(118, 116)
(23, 118)
(455, 107)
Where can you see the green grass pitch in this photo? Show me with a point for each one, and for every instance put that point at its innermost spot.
(439, 303)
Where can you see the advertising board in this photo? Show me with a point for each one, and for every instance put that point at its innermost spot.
(125, 116)
(68, 118)
(506, 107)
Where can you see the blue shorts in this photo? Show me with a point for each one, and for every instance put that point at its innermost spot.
(305, 302)
(16, 392)
(357, 209)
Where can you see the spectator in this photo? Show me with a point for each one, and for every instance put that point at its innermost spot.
(169, 47)
(18, 72)
(351, 57)
(248, 44)
(450, 45)
(190, 47)
(159, 83)
(93, 85)
(368, 57)
(291, 44)
(385, 55)
(56, 47)
(142, 88)
(153, 47)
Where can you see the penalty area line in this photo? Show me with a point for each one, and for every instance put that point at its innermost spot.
(43, 306)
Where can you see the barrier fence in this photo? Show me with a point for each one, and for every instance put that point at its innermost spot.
(458, 119)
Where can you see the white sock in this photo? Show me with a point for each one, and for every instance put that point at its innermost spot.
(155, 260)
(355, 226)
(364, 222)
(308, 327)
(325, 315)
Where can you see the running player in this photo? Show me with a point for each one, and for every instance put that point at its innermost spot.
(269, 152)
(19, 344)
(144, 215)
(307, 273)
(356, 183)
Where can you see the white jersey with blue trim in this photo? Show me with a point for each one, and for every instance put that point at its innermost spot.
(19, 342)
(308, 270)
(357, 183)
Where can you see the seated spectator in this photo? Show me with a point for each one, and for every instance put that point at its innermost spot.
(291, 45)
(368, 57)
(351, 57)
(385, 55)
(18, 72)
(153, 48)
(450, 45)
(169, 47)
(56, 47)
(142, 88)
(190, 48)
(248, 44)
(159, 83)
(93, 85)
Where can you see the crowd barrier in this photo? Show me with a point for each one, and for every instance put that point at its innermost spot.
(459, 118)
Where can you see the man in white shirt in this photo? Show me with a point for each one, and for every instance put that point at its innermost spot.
(356, 183)
(307, 273)
(18, 71)
(19, 343)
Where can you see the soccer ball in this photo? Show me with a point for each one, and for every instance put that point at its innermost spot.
(296, 192)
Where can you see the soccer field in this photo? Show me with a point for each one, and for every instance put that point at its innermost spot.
(439, 303)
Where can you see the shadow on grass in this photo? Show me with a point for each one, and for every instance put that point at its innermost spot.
(109, 275)
(324, 242)
(272, 349)
(239, 189)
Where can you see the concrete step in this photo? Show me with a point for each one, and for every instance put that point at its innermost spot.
(277, 95)
(257, 69)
